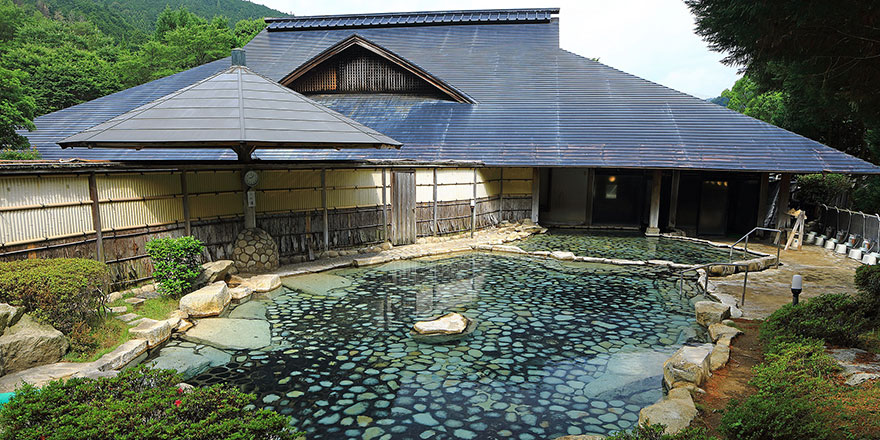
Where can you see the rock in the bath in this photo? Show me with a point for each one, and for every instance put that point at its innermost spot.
(320, 283)
(190, 362)
(676, 411)
(719, 357)
(449, 327)
(207, 301)
(230, 334)
(240, 293)
(688, 364)
(710, 312)
(154, 332)
(262, 283)
(249, 310)
(562, 255)
(213, 271)
(718, 331)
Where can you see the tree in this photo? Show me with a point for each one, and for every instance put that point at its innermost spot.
(17, 109)
(824, 57)
(746, 98)
(246, 30)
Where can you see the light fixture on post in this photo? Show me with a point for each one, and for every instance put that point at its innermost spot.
(797, 285)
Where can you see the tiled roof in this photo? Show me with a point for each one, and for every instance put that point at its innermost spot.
(412, 19)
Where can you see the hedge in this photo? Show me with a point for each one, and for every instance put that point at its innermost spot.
(62, 292)
(175, 263)
(139, 403)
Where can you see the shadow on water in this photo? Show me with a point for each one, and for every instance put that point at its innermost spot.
(561, 348)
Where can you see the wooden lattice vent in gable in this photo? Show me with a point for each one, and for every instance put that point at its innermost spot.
(357, 70)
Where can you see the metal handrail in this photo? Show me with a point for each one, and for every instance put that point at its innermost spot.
(746, 247)
(706, 284)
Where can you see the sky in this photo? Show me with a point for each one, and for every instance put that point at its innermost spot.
(653, 39)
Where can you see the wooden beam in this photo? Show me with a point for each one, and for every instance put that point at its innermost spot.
(782, 201)
(324, 209)
(673, 198)
(434, 226)
(654, 215)
(185, 201)
(536, 184)
(590, 195)
(474, 206)
(96, 218)
(501, 197)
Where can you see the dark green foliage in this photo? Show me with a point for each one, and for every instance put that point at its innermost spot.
(746, 98)
(175, 263)
(58, 291)
(139, 403)
(867, 280)
(787, 405)
(815, 189)
(17, 108)
(835, 318)
(821, 58)
(866, 197)
(25, 154)
(655, 432)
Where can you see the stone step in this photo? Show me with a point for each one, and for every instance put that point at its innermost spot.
(135, 301)
(128, 317)
(118, 310)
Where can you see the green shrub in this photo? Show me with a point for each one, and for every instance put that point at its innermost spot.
(867, 280)
(655, 432)
(25, 154)
(175, 263)
(814, 189)
(58, 291)
(795, 368)
(835, 318)
(137, 404)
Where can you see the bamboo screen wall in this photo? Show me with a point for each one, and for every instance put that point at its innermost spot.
(53, 215)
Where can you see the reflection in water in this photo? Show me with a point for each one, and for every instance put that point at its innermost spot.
(627, 246)
(561, 348)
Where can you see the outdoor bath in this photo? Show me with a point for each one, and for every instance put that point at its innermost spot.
(561, 348)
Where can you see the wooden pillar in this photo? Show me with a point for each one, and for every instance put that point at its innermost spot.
(186, 213)
(782, 201)
(249, 203)
(501, 197)
(384, 207)
(474, 206)
(96, 218)
(324, 209)
(434, 227)
(654, 216)
(536, 193)
(591, 191)
(763, 183)
(673, 198)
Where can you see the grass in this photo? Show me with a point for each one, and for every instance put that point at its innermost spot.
(871, 340)
(108, 332)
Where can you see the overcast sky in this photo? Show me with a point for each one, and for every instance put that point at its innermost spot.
(653, 39)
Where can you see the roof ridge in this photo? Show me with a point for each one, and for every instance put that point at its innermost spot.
(411, 13)
(427, 18)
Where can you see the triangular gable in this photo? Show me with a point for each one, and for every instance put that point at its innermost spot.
(356, 65)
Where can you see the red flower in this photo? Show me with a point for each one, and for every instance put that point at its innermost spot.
(177, 402)
(180, 391)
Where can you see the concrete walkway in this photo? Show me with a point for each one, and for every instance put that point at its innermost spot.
(823, 271)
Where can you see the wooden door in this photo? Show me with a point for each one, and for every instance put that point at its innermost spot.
(403, 207)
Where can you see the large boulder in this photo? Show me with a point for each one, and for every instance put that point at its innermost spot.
(676, 411)
(214, 271)
(262, 283)
(210, 300)
(688, 364)
(719, 357)
(29, 343)
(255, 251)
(9, 316)
(154, 332)
(122, 355)
(710, 312)
(230, 334)
(190, 362)
(718, 331)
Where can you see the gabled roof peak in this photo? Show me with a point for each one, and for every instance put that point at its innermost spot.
(427, 18)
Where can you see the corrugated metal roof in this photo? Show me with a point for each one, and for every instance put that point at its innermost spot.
(537, 105)
(411, 19)
(235, 107)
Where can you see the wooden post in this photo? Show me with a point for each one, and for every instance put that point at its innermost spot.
(536, 184)
(591, 192)
(384, 208)
(186, 214)
(250, 212)
(434, 227)
(763, 184)
(654, 216)
(501, 197)
(324, 209)
(673, 198)
(96, 217)
(474, 206)
(782, 201)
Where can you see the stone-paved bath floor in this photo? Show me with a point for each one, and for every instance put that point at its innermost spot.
(624, 245)
(561, 348)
